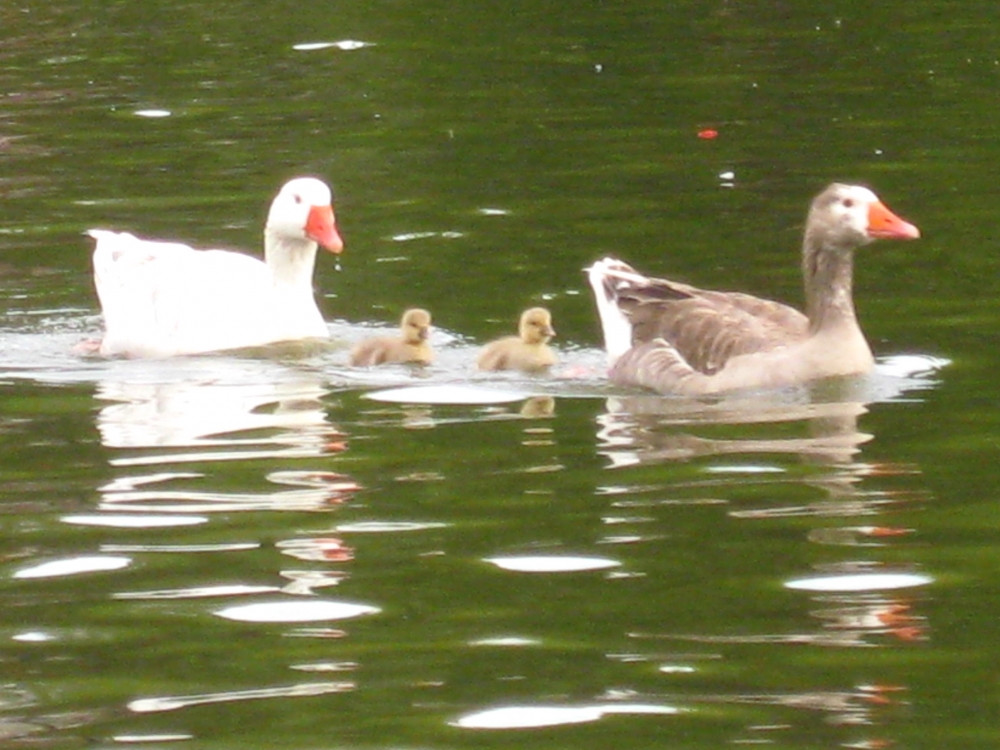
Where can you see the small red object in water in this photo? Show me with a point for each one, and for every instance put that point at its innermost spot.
(708, 134)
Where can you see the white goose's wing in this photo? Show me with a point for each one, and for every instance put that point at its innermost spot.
(165, 298)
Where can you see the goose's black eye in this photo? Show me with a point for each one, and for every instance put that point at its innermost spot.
(298, 198)
(848, 203)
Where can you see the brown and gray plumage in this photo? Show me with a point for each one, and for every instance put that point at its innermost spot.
(528, 351)
(410, 347)
(676, 338)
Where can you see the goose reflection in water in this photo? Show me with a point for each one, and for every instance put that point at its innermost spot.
(632, 430)
(809, 438)
(219, 420)
(191, 413)
(817, 426)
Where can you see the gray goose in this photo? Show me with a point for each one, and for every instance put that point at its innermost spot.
(528, 351)
(411, 347)
(678, 339)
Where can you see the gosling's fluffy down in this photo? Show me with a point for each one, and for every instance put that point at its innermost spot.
(410, 347)
(528, 351)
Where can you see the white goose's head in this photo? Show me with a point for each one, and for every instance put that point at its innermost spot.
(850, 216)
(303, 209)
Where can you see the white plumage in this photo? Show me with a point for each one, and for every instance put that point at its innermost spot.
(164, 298)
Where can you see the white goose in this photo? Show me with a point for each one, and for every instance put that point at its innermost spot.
(161, 299)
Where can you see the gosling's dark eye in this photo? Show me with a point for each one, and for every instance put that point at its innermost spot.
(848, 203)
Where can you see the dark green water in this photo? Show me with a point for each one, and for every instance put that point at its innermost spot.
(482, 156)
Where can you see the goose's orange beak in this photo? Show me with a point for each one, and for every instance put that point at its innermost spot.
(884, 224)
(322, 228)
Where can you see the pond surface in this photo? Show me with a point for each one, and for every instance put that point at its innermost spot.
(271, 549)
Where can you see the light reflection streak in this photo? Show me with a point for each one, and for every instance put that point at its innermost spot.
(181, 458)
(538, 716)
(174, 702)
(164, 501)
(74, 566)
(296, 610)
(181, 548)
(201, 592)
(304, 582)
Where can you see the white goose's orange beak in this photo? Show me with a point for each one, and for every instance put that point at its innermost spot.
(884, 224)
(322, 228)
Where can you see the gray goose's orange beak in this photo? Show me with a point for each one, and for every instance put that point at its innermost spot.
(884, 224)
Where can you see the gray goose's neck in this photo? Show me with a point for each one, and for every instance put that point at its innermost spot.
(828, 274)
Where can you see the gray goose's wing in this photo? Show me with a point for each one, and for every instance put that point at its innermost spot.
(707, 328)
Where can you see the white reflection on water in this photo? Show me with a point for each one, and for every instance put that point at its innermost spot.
(856, 536)
(190, 413)
(304, 582)
(534, 717)
(190, 501)
(316, 549)
(74, 566)
(346, 44)
(551, 563)
(151, 738)
(506, 641)
(447, 394)
(216, 410)
(198, 592)
(174, 702)
(860, 582)
(33, 636)
(311, 610)
(183, 549)
(326, 666)
(391, 527)
(133, 521)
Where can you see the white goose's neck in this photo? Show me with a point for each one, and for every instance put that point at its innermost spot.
(290, 259)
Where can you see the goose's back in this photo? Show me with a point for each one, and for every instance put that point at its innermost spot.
(707, 328)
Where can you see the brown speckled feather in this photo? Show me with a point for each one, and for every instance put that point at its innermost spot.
(708, 328)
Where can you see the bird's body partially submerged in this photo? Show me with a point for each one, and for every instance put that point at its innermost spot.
(410, 347)
(529, 351)
(676, 338)
(164, 298)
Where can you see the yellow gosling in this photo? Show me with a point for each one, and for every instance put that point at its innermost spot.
(410, 347)
(528, 351)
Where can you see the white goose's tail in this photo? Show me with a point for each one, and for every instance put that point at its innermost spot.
(606, 277)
